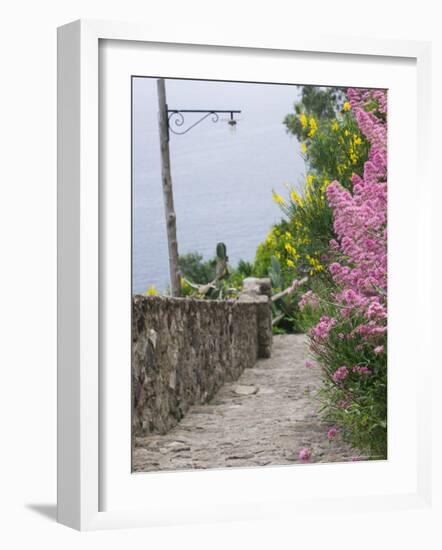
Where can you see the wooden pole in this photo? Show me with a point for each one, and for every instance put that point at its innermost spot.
(168, 190)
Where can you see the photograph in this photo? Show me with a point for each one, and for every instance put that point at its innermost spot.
(259, 274)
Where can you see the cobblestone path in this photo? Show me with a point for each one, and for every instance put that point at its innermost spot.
(264, 418)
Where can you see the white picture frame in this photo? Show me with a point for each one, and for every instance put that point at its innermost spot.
(79, 391)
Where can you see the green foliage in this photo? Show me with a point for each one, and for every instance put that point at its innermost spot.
(243, 270)
(285, 310)
(221, 251)
(359, 407)
(333, 149)
(222, 271)
(195, 269)
(320, 102)
(274, 245)
(275, 273)
(213, 278)
(337, 150)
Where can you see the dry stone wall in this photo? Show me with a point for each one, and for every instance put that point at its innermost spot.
(184, 349)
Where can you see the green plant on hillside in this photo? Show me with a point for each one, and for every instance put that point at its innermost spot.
(332, 147)
(320, 102)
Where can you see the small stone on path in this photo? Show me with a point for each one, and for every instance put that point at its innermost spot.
(245, 390)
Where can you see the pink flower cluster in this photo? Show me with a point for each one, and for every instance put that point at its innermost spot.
(304, 455)
(340, 374)
(360, 218)
(359, 269)
(309, 299)
(361, 369)
(321, 330)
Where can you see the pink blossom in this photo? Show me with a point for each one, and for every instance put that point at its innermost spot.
(360, 219)
(340, 374)
(378, 349)
(332, 432)
(309, 364)
(304, 455)
(356, 458)
(376, 311)
(321, 330)
(308, 299)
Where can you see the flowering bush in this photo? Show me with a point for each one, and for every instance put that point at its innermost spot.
(332, 146)
(350, 342)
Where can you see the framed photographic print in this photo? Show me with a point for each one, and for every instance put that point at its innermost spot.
(233, 300)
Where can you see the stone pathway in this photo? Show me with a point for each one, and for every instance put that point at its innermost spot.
(264, 418)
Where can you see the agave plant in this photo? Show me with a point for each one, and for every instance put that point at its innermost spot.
(283, 309)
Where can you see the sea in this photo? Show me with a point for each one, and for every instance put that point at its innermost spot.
(222, 176)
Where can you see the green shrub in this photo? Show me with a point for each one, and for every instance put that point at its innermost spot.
(333, 148)
(195, 269)
(357, 404)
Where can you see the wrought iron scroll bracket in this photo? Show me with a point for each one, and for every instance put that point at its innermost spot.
(176, 119)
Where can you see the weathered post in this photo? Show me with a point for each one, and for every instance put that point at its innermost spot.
(259, 291)
(166, 177)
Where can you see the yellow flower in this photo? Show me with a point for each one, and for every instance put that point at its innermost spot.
(278, 199)
(295, 197)
(335, 126)
(309, 180)
(151, 291)
(271, 239)
(303, 148)
(346, 106)
(315, 264)
(289, 248)
(290, 263)
(347, 133)
(313, 127)
(303, 120)
(324, 186)
(357, 140)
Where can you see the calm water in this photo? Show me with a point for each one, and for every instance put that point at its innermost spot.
(222, 181)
